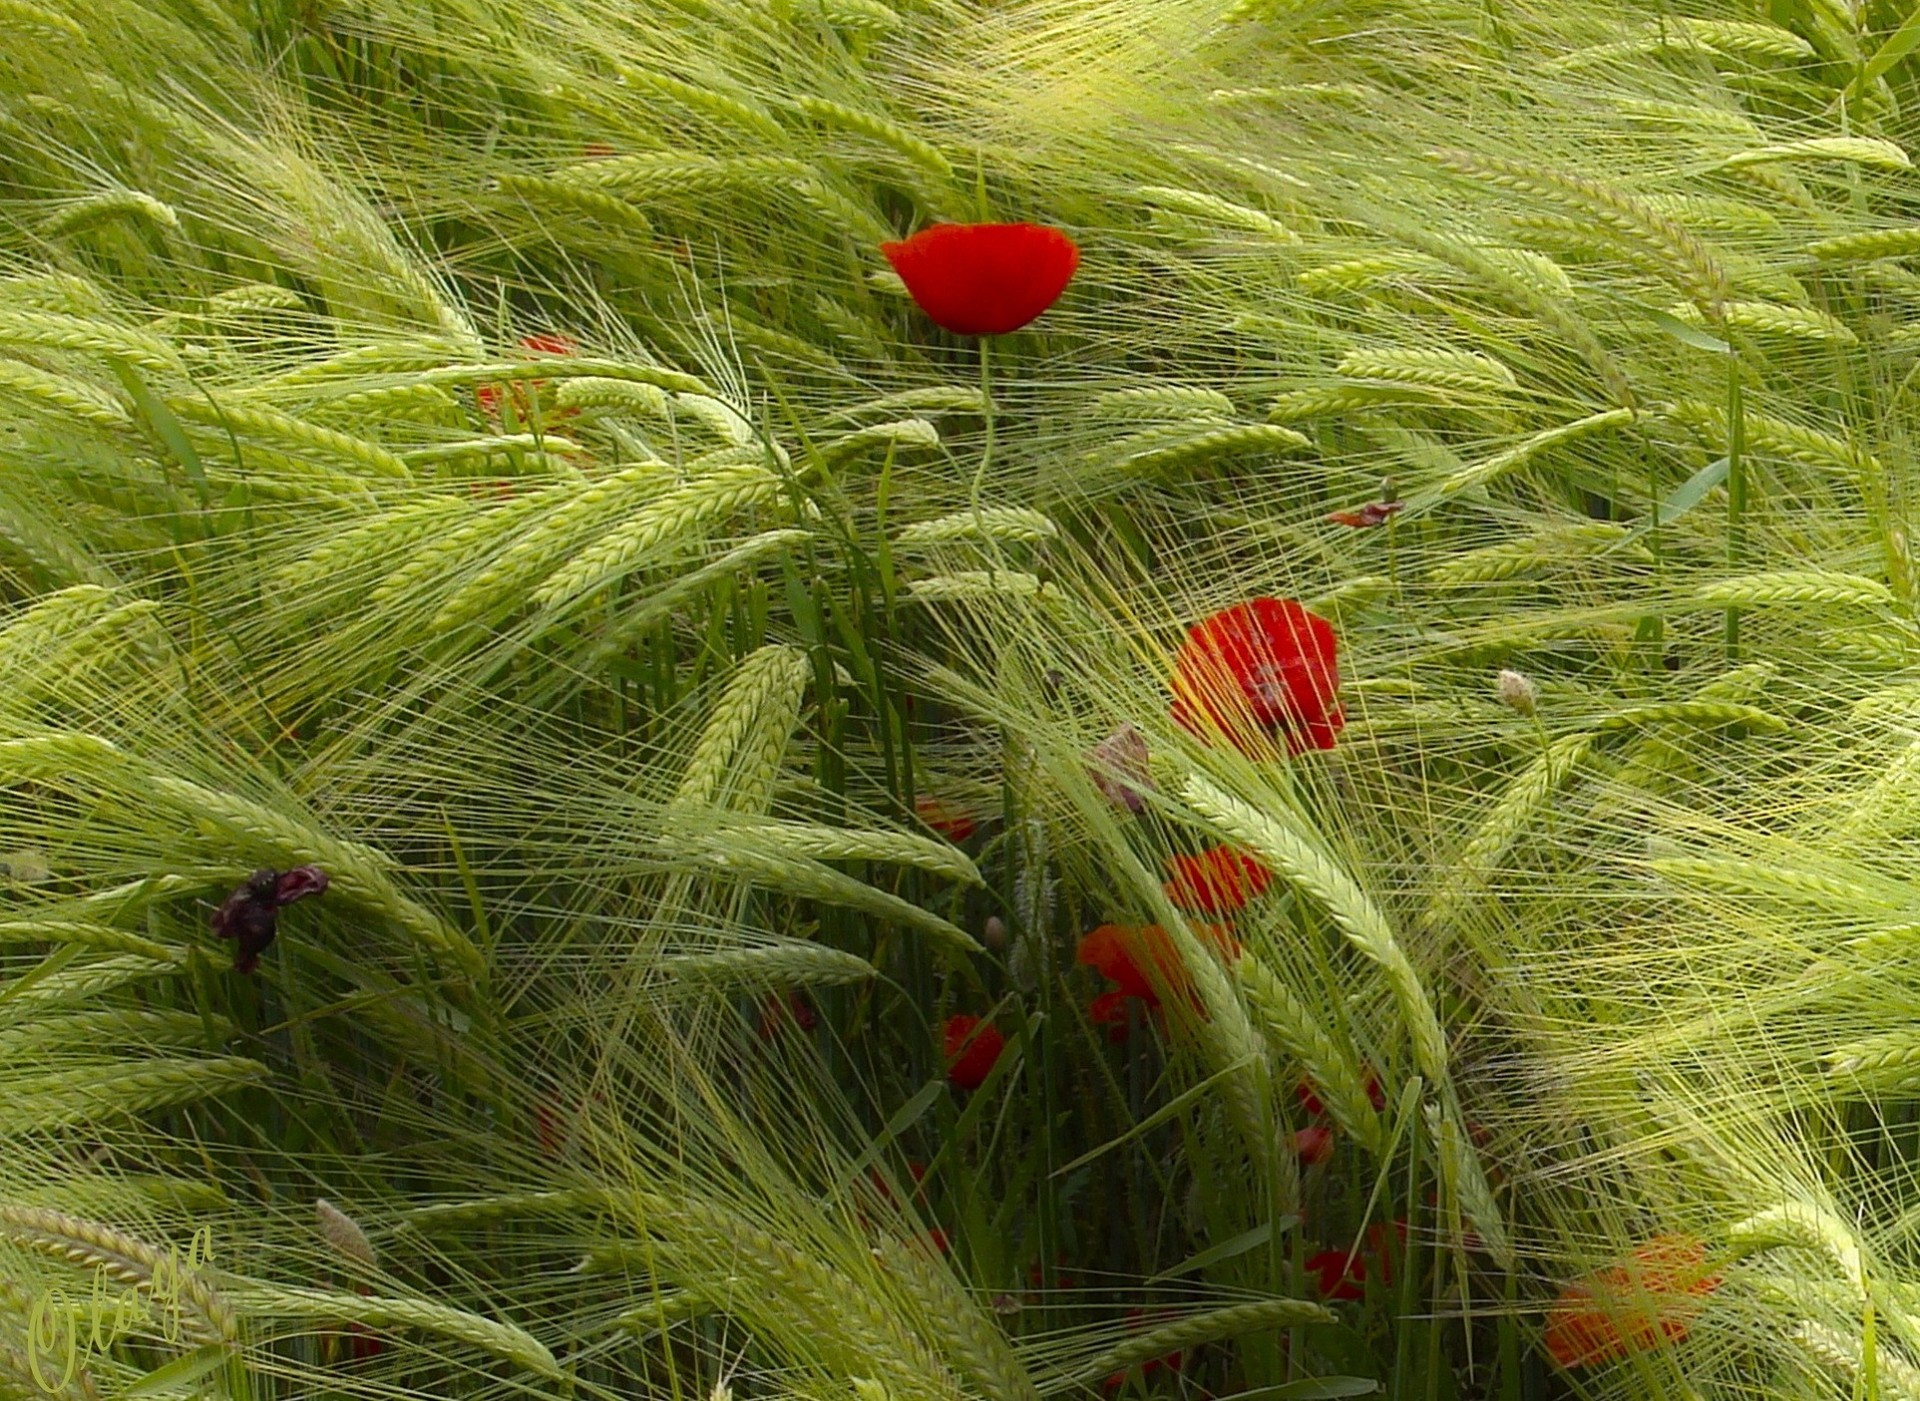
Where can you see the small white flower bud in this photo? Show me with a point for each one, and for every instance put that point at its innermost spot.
(1517, 692)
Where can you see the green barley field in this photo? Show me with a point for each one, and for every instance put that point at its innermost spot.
(1274, 756)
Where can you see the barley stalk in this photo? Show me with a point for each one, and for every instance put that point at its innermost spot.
(87, 935)
(628, 396)
(502, 1340)
(1810, 587)
(645, 612)
(780, 966)
(1460, 370)
(559, 368)
(812, 1297)
(577, 517)
(955, 1321)
(988, 523)
(974, 583)
(1699, 714)
(1161, 402)
(666, 174)
(1466, 1183)
(1807, 446)
(1771, 318)
(93, 210)
(89, 1245)
(889, 437)
(1854, 150)
(1888, 1063)
(1508, 818)
(820, 843)
(1555, 547)
(371, 543)
(707, 101)
(1667, 244)
(1771, 878)
(932, 399)
(735, 854)
(1212, 209)
(70, 1098)
(78, 982)
(452, 553)
(1868, 246)
(1802, 1225)
(324, 376)
(1523, 452)
(49, 1036)
(1302, 1035)
(1845, 1354)
(564, 198)
(72, 397)
(1291, 854)
(877, 128)
(737, 757)
(1234, 1321)
(37, 758)
(50, 330)
(1158, 451)
(1298, 404)
(670, 519)
(551, 444)
(479, 1211)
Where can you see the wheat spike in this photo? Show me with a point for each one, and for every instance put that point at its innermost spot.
(1508, 818)
(737, 757)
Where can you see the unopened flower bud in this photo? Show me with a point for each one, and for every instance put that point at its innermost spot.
(994, 932)
(1517, 692)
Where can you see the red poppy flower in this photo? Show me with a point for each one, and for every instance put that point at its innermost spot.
(488, 395)
(1310, 1097)
(972, 1048)
(1122, 953)
(1341, 1277)
(955, 824)
(1372, 514)
(1629, 1307)
(1109, 1009)
(1313, 1145)
(778, 1012)
(1218, 881)
(1258, 668)
(984, 279)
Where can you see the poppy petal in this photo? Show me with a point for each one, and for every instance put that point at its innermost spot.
(984, 279)
(1262, 667)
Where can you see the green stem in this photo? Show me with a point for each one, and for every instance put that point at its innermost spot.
(1736, 499)
(986, 409)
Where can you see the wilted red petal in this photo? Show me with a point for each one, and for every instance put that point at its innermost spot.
(972, 1047)
(1218, 881)
(544, 344)
(984, 279)
(1263, 667)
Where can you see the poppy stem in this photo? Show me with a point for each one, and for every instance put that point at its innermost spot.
(986, 410)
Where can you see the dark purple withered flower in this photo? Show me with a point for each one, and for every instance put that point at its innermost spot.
(249, 915)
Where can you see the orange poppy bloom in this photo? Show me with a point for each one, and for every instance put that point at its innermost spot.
(1257, 669)
(984, 279)
(1625, 1308)
(1218, 881)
